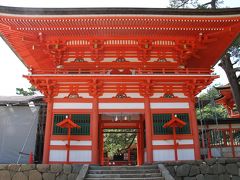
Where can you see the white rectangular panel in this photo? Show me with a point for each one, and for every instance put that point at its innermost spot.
(185, 154)
(185, 141)
(163, 155)
(107, 95)
(237, 151)
(145, 156)
(61, 95)
(134, 95)
(75, 143)
(227, 152)
(180, 95)
(84, 95)
(216, 152)
(81, 143)
(163, 105)
(64, 95)
(121, 105)
(80, 156)
(157, 95)
(58, 155)
(162, 142)
(235, 125)
(72, 106)
(220, 126)
(58, 143)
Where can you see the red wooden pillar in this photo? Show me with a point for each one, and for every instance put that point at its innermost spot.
(148, 126)
(129, 156)
(209, 143)
(101, 146)
(195, 130)
(48, 130)
(175, 143)
(94, 124)
(138, 147)
(140, 144)
(68, 144)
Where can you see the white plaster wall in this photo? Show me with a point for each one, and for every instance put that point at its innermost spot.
(170, 142)
(180, 95)
(134, 95)
(163, 155)
(167, 105)
(114, 59)
(121, 106)
(110, 95)
(72, 106)
(75, 143)
(237, 151)
(61, 95)
(107, 95)
(185, 141)
(162, 142)
(145, 156)
(220, 126)
(80, 155)
(185, 154)
(84, 95)
(157, 95)
(216, 152)
(235, 125)
(225, 152)
(58, 155)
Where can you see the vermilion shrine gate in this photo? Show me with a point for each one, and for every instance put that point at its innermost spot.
(95, 64)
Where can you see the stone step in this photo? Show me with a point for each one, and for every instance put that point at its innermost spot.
(147, 175)
(123, 167)
(143, 171)
(150, 178)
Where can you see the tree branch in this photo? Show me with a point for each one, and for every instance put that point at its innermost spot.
(236, 69)
(235, 62)
(212, 3)
(205, 4)
(134, 136)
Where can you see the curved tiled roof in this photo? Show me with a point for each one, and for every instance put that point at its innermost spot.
(122, 11)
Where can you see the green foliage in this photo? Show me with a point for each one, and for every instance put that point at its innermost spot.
(211, 110)
(210, 94)
(115, 143)
(31, 91)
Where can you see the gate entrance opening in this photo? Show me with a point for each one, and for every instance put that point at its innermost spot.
(121, 139)
(120, 146)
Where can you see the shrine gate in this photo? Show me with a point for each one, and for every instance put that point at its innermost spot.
(92, 64)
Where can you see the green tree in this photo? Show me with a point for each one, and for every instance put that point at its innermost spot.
(116, 142)
(211, 110)
(31, 91)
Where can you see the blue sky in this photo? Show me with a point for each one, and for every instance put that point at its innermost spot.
(12, 69)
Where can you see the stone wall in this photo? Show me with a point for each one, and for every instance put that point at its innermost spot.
(39, 172)
(212, 169)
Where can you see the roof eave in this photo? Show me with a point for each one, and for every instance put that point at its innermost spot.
(122, 11)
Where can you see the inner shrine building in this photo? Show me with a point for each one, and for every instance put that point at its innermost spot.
(115, 68)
